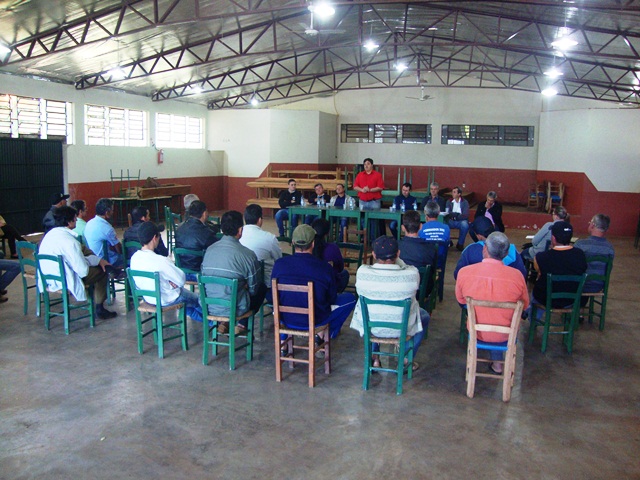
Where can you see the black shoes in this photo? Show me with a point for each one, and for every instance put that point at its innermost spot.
(104, 314)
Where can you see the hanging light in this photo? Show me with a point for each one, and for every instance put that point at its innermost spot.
(117, 73)
(401, 67)
(371, 45)
(553, 73)
(255, 102)
(549, 92)
(564, 43)
(323, 10)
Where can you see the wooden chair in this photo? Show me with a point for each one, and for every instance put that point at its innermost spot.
(537, 196)
(598, 298)
(569, 315)
(509, 347)
(286, 348)
(400, 350)
(177, 255)
(57, 274)
(28, 268)
(212, 323)
(555, 195)
(151, 288)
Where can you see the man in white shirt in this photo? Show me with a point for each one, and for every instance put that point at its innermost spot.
(82, 266)
(172, 279)
(263, 244)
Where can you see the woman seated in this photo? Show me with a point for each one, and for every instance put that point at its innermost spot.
(329, 252)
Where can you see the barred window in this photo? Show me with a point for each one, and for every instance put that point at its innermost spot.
(501, 135)
(177, 131)
(112, 126)
(385, 133)
(35, 118)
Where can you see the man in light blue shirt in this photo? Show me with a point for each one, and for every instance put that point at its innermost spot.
(99, 230)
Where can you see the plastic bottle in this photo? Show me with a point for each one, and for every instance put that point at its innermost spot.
(301, 201)
(415, 205)
(402, 207)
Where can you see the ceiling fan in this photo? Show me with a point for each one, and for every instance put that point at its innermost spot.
(423, 97)
(311, 31)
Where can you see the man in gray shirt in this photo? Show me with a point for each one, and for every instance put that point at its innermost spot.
(596, 244)
(542, 240)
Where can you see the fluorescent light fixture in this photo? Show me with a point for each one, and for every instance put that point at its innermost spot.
(549, 92)
(564, 43)
(195, 89)
(553, 73)
(117, 73)
(4, 49)
(323, 10)
(371, 45)
(255, 102)
(401, 67)
(433, 29)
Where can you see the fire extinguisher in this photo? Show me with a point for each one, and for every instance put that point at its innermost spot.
(160, 157)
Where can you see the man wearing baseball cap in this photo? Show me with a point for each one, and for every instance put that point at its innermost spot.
(390, 279)
(302, 267)
(57, 200)
(562, 259)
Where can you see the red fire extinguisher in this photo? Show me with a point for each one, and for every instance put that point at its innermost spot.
(160, 157)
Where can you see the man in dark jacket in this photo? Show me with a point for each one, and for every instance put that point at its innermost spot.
(139, 215)
(193, 234)
(491, 209)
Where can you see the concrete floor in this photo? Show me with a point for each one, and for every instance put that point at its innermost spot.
(88, 406)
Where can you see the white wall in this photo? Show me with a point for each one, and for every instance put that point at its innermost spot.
(605, 144)
(83, 163)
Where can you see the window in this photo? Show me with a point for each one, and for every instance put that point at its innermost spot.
(176, 131)
(509, 135)
(35, 118)
(115, 126)
(385, 133)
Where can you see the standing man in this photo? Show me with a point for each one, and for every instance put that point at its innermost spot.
(81, 208)
(321, 198)
(492, 280)
(302, 267)
(264, 244)
(82, 267)
(404, 199)
(434, 231)
(458, 210)
(287, 198)
(491, 209)
(172, 279)
(369, 185)
(228, 258)
(99, 230)
(542, 239)
(390, 279)
(139, 216)
(434, 190)
(341, 200)
(596, 244)
(193, 234)
(57, 200)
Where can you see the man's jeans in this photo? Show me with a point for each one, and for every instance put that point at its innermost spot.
(417, 338)
(9, 269)
(461, 225)
(281, 216)
(191, 302)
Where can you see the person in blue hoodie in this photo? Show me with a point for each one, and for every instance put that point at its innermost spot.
(473, 253)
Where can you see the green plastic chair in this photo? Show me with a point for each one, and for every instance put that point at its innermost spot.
(427, 301)
(177, 255)
(463, 324)
(599, 298)
(67, 306)
(212, 323)
(156, 313)
(352, 254)
(28, 268)
(172, 220)
(400, 352)
(112, 289)
(127, 247)
(569, 315)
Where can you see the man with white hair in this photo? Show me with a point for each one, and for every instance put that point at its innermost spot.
(596, 244)
(492, 280)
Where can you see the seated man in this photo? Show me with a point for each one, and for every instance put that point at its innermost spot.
(172, 279)
(9, 269)
(57, 200)
(414, 250)
(596, 244)
(434, 190)
(302, 267)
(140, 215)
(228, 258)
(434, 231)
(390, 279)
(287, 198)
(81, 208)
(344, 201)
(82, 266)
(264, 244)
(492, 210)
(188, 200)
(12, 235)
(542, 239)
(99, 230)
(193, 234)
(321, 198)
(473, 253)
(458, 210)
(493, 281)
(562, 259)
(403, 202)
